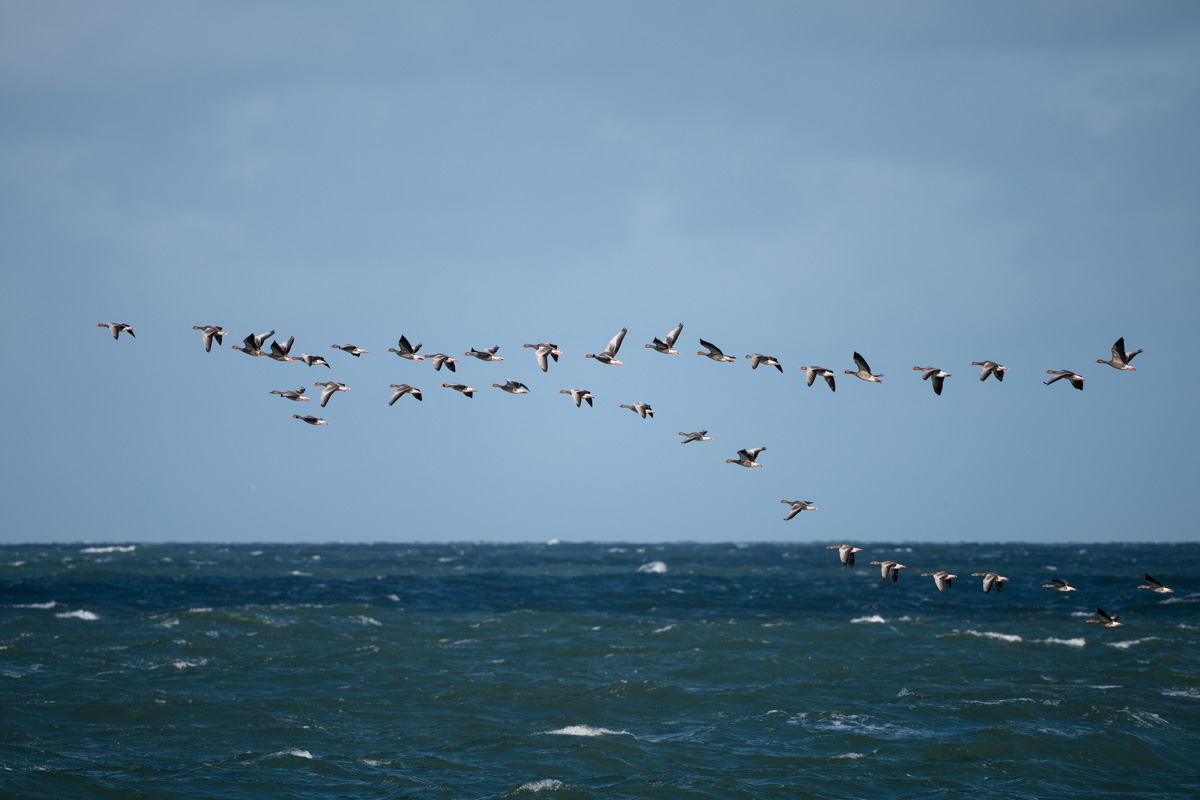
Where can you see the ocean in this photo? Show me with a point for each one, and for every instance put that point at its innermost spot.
(592, 670)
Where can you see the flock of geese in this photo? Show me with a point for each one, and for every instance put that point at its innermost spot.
(256, 345)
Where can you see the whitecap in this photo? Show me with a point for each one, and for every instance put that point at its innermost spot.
(295, 751)
(183, 664)
(654, 567)
(112, 549)
(51, 604)
(300, 574)
(586, 730)
(1128, 643)
(552, 542)
(1077, 642)
(872, 618)
(199, 610)
(1004, 637)
(849, 755)
(395, 598)
(80, 614)
(904, 692)
(1193, 694)
(15, 564)
(537, 786)
(168, 623)
(365, 620)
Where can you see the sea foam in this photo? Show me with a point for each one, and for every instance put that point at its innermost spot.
(111, 549)
(586, 730)
(654, 567)
(80, 614)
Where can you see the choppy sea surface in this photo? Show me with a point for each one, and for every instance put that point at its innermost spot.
(595, 671)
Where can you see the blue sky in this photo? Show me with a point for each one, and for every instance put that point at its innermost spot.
(928, 183)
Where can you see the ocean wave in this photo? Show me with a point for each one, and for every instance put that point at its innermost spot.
(185, 664)
(111, 549)
(79, 614)
(295, 751)
(1078, 642)
(1193, 694)
(1128, 643)
(664, 628)
(1004, 637)
(365, 620)
(542, 785)
(586, 730)
(872, 618)
(849, 755)
(654, 568)
(50, 604)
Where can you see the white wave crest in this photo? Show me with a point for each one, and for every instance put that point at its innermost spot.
(79, 614)
(586, 730)
(654, 567)
(365, 620)
(183, 664)
(51, 604)
(537, 786)
(1079, 642)
(849, 755)
(295, 751)
(1004, 637)
(1130, 642)
(664, 628)
(1194, 694)
(872, 618)
(112, 549)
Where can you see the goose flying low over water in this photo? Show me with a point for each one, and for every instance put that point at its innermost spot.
(1120, 360)
(746, 457)
(1106, 620)
(461, 387)
(407, 350)
(116, 328)
(253, 343)
(279, 352)
(314, 361)
(1058, 585)
(827, 374)
(695, 436)
(890, 569)
(714, 353)
(439, 359)
(208, 333)
(351, 349)
(796, 507)
(292, 394)
(512, 387)
(939, 377)
(665, 344)
(990, 579)
(1155, 586)
(1059, 374)
(310, 419)
(486, 354)
(941, 579)
(845, 553)
(864, 370)
(609, 354)
(544, 352)
(401, 390)
(759, 358)
(579, 395)
(330, 388)
(989, 368)
(640, 408)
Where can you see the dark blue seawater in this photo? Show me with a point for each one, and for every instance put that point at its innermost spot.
(595, 671)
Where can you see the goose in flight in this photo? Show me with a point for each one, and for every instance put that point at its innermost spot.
(1155, 586)
(939, 377)
(990, 579)
(714, 353)
(1058, 585)
(890, 569)
(461, 387)
(208, 333)
(1106, 620)
(292, 394)
(845, 553)
(330, 388)
(313, 361)
(116, 328)
(279, 352)
(439, 359)
(407, 350)
(1120, 360)
(864, 371)
(401, 390)
(544, 352)
(486, 354)
(665, 344)
(827, 374)
(989, 368)
(796, 507)
(759, 358)
(253, 343)
(609, 354)
(351, 349)
(310, 419)
(695, 436)
(640, 408)
(579, 395)
(941, 579)
(746, 457)
(512, 387)
(1059, 374)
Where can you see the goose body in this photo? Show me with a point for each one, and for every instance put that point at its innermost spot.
(310, 419)
(279, 352)
(814, 372)
(116, 328)
(939, 376)
(990, 579)
(665, 344)
(746, 457)
(1155, 586)
(1059, 374)
(253, 344)
(401, 390)
(609, 354)
(1120, 359)
(640, 408)
(714, 352)
(796, 507)
(579, 395)
(544, 352)
(759, 358)
(890, 569)
(1058, 585)
(845, 553)
(292, 394)
(512, 387)
(941, 579)
(989, 368)
(314, 361)
(864, 370)
(486, 354)
(330, 388)
(439, 359)
(351, 349)
(461, 387)
(407, 350)
(1106, 620)
(208, 333)
(695, 436)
